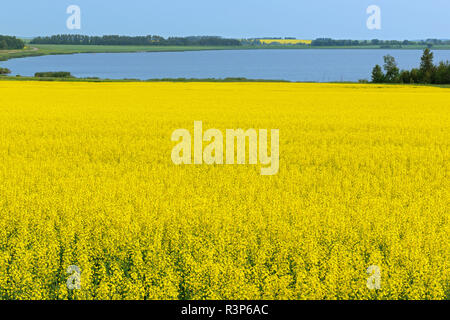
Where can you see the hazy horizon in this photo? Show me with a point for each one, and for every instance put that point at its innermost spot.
(216, 35)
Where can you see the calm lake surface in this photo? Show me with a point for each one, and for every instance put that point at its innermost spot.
(319, 65)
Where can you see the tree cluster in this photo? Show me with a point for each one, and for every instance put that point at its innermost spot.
(10, 43)
(427, 73)
(74, 39)
(4, 71)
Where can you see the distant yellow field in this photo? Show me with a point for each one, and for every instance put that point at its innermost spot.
(285, 41)
(87, 180)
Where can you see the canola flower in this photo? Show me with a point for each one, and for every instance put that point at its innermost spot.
(87, 180)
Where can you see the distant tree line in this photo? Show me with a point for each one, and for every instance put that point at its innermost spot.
(325, 42)
(427, 73)
(149, 40)
(252, 42)
(75, 39)
(8, 42)
(328, 42)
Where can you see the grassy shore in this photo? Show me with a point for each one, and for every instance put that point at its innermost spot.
(51, 49)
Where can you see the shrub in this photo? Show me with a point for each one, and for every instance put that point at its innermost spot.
(58, 74)
(4, 71)
(405, 76)
(415, 75)
(442, 74)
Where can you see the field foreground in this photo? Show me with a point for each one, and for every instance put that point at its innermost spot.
(87, 180)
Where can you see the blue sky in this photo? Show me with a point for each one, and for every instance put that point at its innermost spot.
(305, 19)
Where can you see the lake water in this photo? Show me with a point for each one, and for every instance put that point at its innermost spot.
(320, 65)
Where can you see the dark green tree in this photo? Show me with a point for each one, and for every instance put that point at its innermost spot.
(377, 74)
(414, 75)
(405, 76)
(427, 68)
(442, 73)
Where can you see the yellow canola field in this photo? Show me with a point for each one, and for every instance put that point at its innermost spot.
(285, 41)
(87, 180)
